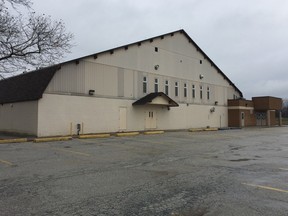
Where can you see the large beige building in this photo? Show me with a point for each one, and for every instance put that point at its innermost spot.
(165, 82)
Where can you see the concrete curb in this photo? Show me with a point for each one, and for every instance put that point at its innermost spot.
(91, 136)
(127, 134)
(211, 129)
(153, 132)
(50, 139)
(19, 140)
(202, 129)
(196, 129)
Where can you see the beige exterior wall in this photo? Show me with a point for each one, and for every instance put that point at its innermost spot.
(59, 115)
(117, 79)
(105, 80)
(120, 74)
(19, 117)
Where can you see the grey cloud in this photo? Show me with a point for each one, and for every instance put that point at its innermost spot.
(246, 39)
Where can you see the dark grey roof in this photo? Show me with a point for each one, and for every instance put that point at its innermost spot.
(26, 87)
(162, 37)
(148, 99)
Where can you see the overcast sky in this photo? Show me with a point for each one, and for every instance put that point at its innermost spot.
(246, 39)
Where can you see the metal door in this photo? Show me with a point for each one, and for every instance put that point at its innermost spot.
(261, 119)
(242, 119)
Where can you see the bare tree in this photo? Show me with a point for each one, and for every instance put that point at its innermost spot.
(29, 41)
(26, 3)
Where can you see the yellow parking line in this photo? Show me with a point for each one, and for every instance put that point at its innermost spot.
(286, 169)
(73, 152)
(266, 188)
(6, 162)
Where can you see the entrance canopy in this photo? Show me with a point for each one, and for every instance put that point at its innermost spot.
(156, 98)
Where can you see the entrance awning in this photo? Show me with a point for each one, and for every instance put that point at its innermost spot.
(156, 98)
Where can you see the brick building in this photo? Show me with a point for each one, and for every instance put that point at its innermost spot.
(260, 111)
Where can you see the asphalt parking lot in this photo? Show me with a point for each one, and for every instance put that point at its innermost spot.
(231, 172)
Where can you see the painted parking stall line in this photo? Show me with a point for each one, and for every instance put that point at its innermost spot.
(266, 188)
(6, 162)
(62, 150)
(72, 152)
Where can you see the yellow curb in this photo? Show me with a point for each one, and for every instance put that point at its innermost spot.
(93, 136)
(211, 129)
(127, 134)
(50, 139)
(196, 129)
(153, 132)
(13, 140)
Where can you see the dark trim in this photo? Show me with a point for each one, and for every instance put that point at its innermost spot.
(150, 97)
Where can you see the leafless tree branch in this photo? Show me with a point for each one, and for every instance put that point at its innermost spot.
(31, 40)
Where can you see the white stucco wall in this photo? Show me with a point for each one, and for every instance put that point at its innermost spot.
(59, 115)
(19, 117)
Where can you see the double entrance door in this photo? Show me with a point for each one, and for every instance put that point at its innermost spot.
(150, 119)
(261, 119)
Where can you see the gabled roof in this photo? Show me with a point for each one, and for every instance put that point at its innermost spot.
(26, 87)
(148, 99)
(163, 36)
(30, 86)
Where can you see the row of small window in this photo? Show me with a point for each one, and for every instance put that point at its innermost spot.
(176, 88)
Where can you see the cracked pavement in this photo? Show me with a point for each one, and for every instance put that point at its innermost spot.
(229, 172)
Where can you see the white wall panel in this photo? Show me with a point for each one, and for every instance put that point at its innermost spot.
(19, 117)
(98, 115)
(177, 59)
(69, 79)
